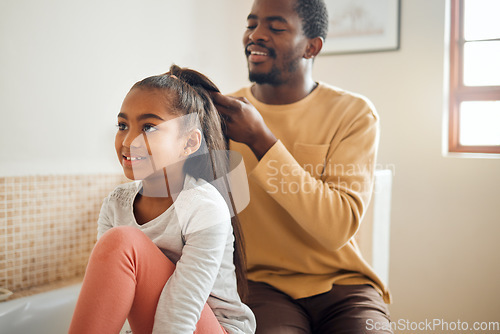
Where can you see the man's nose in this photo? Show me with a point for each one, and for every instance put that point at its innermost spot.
(258, 34)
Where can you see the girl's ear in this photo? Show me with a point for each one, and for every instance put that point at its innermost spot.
(314, 46)
(193, 142)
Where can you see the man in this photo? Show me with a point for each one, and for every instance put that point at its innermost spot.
(310, 152)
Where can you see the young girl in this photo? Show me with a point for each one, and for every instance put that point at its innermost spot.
(164, 256)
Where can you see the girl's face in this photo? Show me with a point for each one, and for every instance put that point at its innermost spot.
(149, 137)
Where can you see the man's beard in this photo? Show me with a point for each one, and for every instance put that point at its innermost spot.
(275, 77)
(272, 78)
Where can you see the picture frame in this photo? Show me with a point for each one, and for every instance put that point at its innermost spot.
(358, 26)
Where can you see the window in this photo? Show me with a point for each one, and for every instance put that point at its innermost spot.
(474, 104)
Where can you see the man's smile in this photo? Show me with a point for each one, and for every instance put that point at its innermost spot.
(258, 54)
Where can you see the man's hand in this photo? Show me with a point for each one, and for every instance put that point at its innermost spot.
(244, 124)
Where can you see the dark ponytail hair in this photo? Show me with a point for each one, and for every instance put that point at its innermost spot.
(188, 92)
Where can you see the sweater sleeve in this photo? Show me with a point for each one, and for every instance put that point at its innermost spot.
(205, 234)
(329, 207)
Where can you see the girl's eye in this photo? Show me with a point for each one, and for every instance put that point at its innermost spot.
(148, 128)
(251, 27)
(121, 126)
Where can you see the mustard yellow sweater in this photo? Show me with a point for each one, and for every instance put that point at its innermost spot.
(309, 192)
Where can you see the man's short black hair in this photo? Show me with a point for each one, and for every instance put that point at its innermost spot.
(314, 17)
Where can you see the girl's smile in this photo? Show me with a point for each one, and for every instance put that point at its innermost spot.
(128, 161)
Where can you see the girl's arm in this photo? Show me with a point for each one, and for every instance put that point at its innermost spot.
(206, 226)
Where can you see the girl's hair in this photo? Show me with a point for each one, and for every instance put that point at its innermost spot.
(188, 92)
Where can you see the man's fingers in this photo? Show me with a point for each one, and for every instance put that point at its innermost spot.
(225, 101)
(224, 111)
(242, 99)
(220, 99)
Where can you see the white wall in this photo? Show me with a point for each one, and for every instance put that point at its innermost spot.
(66, 67)
(446, 216)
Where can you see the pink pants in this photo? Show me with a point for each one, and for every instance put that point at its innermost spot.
(124, 279)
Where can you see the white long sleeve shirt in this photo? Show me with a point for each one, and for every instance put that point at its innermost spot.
(195, 233)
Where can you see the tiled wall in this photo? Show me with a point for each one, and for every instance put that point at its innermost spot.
(48, 226)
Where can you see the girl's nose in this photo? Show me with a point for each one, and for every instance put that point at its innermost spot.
(133, 140)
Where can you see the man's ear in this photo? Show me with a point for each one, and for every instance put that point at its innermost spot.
(193, 142)
(314, 46)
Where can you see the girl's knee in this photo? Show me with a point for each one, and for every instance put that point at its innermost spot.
(121, 235)
(117, 240)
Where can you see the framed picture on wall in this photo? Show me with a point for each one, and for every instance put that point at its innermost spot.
(362, 26)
